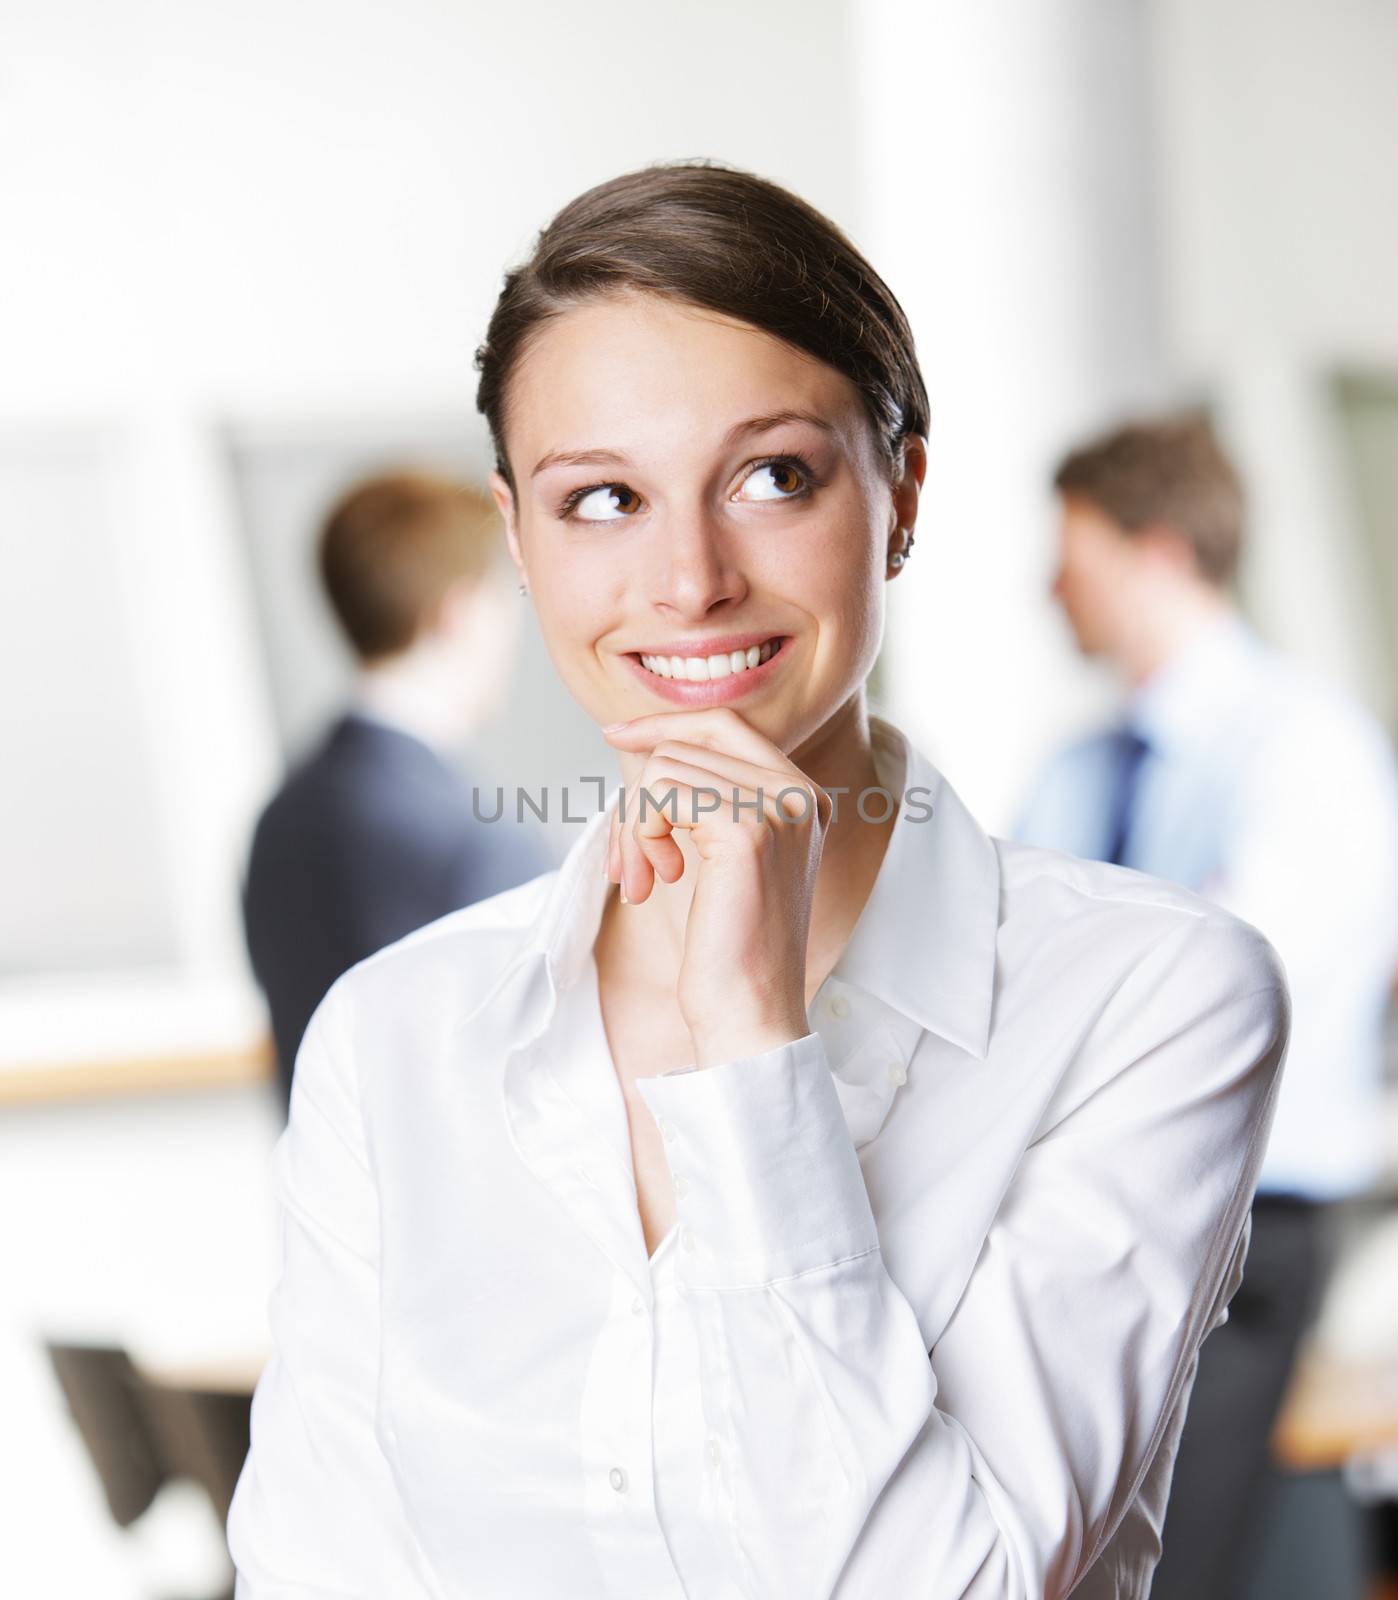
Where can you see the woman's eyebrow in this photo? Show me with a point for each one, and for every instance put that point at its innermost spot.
(613, 458)
(578, 458)
(775, 419)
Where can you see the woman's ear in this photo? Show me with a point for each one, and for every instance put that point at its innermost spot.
(909, 481)
(505, 504)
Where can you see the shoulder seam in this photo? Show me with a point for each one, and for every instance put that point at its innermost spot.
(1187, 902)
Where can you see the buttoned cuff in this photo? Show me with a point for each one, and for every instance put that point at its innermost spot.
(767, 1180)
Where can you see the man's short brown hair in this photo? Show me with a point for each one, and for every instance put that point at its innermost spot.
(392, 546)
(1170, 473)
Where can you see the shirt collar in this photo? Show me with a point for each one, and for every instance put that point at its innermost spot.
(924, 943)
(1189, 689)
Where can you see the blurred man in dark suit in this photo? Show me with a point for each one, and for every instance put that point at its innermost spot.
(374, 833)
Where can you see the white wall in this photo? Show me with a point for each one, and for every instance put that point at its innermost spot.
(1279, 146)
(271, 213)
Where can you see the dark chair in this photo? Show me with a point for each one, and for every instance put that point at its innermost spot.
(201, 1434)
(103, 1394)
(140, 1433)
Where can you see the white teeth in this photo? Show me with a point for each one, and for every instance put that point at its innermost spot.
(702, 669)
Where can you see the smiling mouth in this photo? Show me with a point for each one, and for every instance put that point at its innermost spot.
(704, 669)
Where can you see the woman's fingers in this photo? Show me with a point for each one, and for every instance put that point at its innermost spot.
(715, 728)
(718, 737)
(678, 793)
(699, 766)
(667, 803)
(646, 846)
(708, 795)
(613, 851)
(785, 787)
(633, 867)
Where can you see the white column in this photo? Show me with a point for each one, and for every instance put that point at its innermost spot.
(1004, 175)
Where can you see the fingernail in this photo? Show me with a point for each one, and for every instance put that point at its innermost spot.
(624, 900)
(611, 727)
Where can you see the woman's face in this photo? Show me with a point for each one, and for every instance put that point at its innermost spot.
(702, 515)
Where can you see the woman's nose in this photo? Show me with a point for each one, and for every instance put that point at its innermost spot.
(696, 569)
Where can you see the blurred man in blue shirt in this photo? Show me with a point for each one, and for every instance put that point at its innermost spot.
(375, 831)
(1234, 772)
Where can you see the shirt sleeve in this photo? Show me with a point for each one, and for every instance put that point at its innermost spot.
(317, 1512)
(997, 1466)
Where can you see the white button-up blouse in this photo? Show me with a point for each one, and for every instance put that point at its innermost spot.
(928, 1318)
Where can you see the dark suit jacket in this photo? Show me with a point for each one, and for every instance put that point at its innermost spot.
(371, 836)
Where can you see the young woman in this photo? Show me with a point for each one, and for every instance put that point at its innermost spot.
(798, 1193)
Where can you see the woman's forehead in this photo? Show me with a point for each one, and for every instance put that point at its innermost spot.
(625, 367)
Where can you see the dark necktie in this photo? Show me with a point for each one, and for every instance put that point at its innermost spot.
(1130, 749)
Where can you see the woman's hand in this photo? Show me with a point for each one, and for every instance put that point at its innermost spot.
(758, 823)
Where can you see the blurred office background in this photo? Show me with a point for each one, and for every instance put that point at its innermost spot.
(249, 251)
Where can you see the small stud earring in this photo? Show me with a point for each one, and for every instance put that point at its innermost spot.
(896, 559)
(524, 588)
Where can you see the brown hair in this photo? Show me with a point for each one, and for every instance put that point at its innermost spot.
(390, 548)
(725, 240)
(1171, 473)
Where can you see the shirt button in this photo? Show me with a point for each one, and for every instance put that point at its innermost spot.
(715, 1454)
(617, 1478)
(681, 1184)
(638, 1306)
(837, 1005)
(897, 1073)
(686, 1239)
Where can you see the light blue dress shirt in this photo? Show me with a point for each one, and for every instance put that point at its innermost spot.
(1276, 796)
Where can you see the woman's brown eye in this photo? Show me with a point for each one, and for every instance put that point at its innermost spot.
(608, 504)
(773, 480)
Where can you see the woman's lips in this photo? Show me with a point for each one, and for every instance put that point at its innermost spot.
(713, 691)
